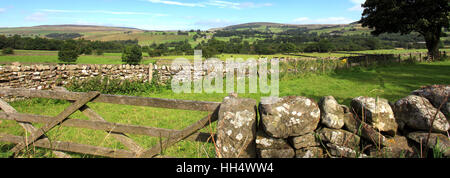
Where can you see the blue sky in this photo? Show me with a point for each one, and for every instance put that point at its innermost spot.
(176, 14)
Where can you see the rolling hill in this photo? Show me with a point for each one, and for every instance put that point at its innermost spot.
(146, 37)
(47, 29)
(259, 25)
(100, 33)
(343, 29)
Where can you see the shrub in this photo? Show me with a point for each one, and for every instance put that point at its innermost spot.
(68, 52)
(108, 85)
(132, 55)
(7, 51)
(99, 52)
(87, 51)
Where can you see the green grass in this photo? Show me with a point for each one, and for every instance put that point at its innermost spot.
(392, 82)
(251, 40)
(346, 30)
(394, 51)
(34, 57)
(143, 38)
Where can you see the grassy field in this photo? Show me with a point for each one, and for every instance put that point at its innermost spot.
(45, 30)
(304, 55)
(393, 82)
(33, 57)
(394, 51)
(99, 33)
(144, 39)
(347, 30)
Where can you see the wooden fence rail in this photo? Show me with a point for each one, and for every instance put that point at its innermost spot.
(118, 131)
(114, 99)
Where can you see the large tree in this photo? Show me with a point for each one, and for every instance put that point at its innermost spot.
(427, 17)
(68, 52)
(132, 54)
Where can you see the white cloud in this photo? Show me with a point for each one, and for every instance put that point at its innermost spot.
(213, 23)
(357, 6)
(37, 17)
(223, 4)
(102, 12)
(301, 19)
(176, 3)
(2, 10)
(215, 3)
(329, 20)
(253, 5)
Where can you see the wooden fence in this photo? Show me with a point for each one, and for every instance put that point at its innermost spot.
(37, 137)
(330, 64)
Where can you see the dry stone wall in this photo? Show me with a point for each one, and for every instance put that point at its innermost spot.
(46, 76)
(298, 127)
(49, 76)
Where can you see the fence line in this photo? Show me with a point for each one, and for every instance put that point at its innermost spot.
(114, 99)
(96, 122)
(329, 64)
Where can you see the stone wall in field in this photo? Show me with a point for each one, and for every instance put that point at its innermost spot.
(299, 127)
(48, 76)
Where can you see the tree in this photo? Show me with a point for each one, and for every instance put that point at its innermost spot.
(427, 17)
(288, 48)
(68, 52)
(99, 52)
(373, 43)
(7, 51)
(132, 55)
(87, 50)
(3, 41)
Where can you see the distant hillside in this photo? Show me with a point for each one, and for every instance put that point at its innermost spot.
(335, 29)
(47, 29)
(100, 33)
(264, 25)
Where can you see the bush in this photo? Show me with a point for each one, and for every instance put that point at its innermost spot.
(108, 85)
(99, 52)
(87, 51)
(68, 52)
(132, 55)
(7, 51)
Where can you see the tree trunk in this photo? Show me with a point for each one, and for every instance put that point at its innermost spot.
(432, 41)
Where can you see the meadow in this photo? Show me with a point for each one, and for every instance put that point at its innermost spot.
(46, 57)
(35, 56)
(391, 82)
(144, 39)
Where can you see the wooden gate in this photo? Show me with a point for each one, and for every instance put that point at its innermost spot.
(79, 100)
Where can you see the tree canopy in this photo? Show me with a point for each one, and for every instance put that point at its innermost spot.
(132, 54)
(427, 17)
(68, 52)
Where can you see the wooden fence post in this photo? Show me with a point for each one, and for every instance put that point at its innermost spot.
(367, 61)
(57, 120)
(28, 126)
(348, 62)
(96, 122)
(323, 65)
(150, 72)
